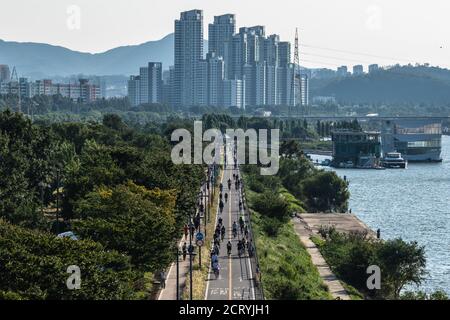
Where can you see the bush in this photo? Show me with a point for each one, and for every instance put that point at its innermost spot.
(33, 265)
(350, 255)
(271, 204)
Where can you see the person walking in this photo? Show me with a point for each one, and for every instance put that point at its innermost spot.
(162, 275)
(184, 251)
(186, 231)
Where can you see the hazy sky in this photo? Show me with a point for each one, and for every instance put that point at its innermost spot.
(379, 31)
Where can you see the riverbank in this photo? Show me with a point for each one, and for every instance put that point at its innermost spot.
(287, 271)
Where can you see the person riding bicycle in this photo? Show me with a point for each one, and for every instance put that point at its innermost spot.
(234, 228)
(214, 257)
(229, 247)
(216, 268)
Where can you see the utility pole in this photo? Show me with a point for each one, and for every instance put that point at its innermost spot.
(178, 272)
(57, 201)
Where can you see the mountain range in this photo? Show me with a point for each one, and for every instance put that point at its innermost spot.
(38, 60)
(396, 85)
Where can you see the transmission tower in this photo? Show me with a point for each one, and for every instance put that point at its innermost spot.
(15, 80)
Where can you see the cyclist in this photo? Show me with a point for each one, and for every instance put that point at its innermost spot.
(239, 247)
(216, 268)
(229, 248)
(234, 229)
(241, 223)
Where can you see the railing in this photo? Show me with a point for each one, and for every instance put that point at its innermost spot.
(254, 261)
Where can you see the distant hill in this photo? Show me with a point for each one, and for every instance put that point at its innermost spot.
(397, 85)
(39, 60)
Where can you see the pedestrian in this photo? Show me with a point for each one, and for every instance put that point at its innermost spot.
(184, 250)
(192, 230)
(258, 274)
(163, 279)
(186, 231)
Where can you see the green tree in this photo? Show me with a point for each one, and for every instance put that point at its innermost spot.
(272, 205)
(325, 192)
(401, 263)
(132, 220)
(33, 265)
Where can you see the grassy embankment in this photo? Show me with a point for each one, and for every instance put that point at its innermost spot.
(287, 271)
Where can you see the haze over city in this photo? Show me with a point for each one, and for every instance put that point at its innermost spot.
(358, 31)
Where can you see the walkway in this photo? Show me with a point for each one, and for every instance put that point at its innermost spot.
(236, 279)
(335, 287)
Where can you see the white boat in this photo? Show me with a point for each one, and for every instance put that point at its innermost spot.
(394, 160)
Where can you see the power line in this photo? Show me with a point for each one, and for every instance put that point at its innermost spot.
(356, 53)
(335, 58)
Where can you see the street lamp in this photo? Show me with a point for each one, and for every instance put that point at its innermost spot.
(42, 185)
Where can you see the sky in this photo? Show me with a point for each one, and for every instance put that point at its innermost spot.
(332, 32)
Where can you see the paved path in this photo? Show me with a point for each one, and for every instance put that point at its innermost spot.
(235, 281)
(170, 291)
(335, 287)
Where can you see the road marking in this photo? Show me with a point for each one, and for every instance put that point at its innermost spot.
(217, 218)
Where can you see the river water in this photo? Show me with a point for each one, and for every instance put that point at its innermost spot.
(412, 204)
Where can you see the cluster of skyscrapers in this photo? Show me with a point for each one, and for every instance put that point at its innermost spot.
(244, 68)
(81, 91)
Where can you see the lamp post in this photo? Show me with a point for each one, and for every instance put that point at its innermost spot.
(178, 271)
(42, 185)
(57, 200)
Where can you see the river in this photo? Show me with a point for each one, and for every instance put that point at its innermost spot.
(412, 204)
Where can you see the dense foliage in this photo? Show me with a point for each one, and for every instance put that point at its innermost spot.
(33, 265)
(349, 255)
(111, 184)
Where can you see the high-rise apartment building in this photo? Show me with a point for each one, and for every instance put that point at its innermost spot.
(358, 70)
(143, 90)
(373, 68)
(5, 73)
(342, 71)
(304, 89)
(216, 76)
(155, 82)
(234, 94)
(148, 86)
(220, 40)
(188, 54)
(134, 94)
